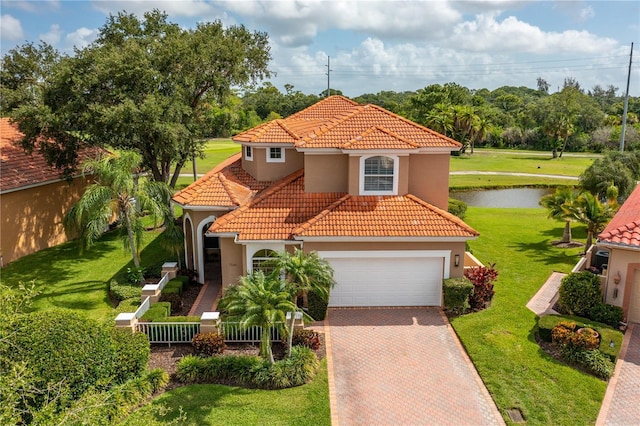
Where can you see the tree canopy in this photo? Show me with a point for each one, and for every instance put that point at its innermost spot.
(144, 84)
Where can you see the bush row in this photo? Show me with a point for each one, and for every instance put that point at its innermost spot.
(124, 291)
(158, 312)
(457, 292)
(580, 295)
(317, 306)
(251, 371)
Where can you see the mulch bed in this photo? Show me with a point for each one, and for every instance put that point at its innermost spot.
(189, 296)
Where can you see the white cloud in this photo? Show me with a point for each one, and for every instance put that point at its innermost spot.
(52, 36)
(81, 37)
(10, 28)
(586, 13)
(187, 8)
(33, 6)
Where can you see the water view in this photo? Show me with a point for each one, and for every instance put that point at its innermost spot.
(506, 198)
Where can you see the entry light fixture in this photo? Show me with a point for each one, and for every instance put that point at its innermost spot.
(456, 260)
(617, 278)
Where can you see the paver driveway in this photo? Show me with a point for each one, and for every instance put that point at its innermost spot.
(402, 366)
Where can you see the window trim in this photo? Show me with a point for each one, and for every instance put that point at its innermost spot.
(248, 153)
(262, 259)
(396, 163)
(271, 159)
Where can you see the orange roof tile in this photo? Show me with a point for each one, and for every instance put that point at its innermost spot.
(226, 185)
(285, 211)
(19, 169)
(336, 122)
(624, 228)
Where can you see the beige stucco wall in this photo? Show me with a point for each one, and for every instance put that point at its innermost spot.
(31, 219)
(326, 173)
(455, 247)
(354, 176)
(261, 170)
(429, 178)
(624, 262)
(231, 261)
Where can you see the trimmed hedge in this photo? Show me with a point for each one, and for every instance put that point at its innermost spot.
(251, 371)
(457, 292)
(132, 352)
(546, 323)
(579, 293)
(128, 305)
(317, 306)
(125, 291)
(173, 286)
(158, 312)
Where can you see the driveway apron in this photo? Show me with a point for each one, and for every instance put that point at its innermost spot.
(402, 366)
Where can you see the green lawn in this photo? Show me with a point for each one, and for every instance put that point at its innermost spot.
(70, 280)
(216, 150)
(500, 340)
(228, 405)
(510, 161)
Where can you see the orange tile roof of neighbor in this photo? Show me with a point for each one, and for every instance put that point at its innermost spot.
(19, 169)
(285, 211)
(337, 122)
(624, 228)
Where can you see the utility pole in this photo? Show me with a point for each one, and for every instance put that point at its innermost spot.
(626, 103)
(328, 75)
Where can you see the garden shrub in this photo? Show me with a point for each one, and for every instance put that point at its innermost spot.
(172, 298)
(124, 291)
(63, 346)
(250, 371)
(307, 338)
(173, 286)
(135, 275)
(154, 271)
(208, 344)
(608, 314)
(183, 318)
(185, 280)
(457, 292)
(457, 208)
(563, 332)
(128, 305)
(482, 279)
(579, 293)
(593, 361)
(317, 306)
(158, 312)
(585, 338)
(132, 353)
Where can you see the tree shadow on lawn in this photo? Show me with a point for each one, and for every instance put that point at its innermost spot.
(153, 253)
(75, 296)
(543, 252)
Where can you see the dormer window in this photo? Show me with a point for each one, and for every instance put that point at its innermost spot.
(379, 175)
(248, 153)
(275, 155)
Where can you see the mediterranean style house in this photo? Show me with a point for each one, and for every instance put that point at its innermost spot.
(33, 196)
(365, 188)
(619, 244)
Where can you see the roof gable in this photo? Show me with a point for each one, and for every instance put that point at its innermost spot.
(624, 228)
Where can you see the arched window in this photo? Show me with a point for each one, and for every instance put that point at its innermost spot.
(379, 174)
(262, 261)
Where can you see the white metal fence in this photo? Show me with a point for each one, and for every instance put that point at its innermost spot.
(169, 332)
(233, 333)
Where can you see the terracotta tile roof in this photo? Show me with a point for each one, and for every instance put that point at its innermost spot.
(388, 216)
(285, 211)
(19, 169)
(624, 228)
(226, 185)
(337, 122)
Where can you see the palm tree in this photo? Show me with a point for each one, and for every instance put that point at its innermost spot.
(259, 300)
(558, 206)
(304, 272)
(440, 119)
(589, 210)
(116, 194)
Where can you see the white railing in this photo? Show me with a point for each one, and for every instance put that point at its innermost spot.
(144, 307)
(163, 281)
(169, 332)
(233, 333)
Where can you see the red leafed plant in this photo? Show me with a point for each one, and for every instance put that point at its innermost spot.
(482, 278)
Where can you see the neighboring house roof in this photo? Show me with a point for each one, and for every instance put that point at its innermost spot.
(339, 123)
(286, 212)
(226, 185)
(624, 228)
(19, 170)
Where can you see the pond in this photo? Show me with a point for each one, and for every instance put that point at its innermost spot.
(506, 198)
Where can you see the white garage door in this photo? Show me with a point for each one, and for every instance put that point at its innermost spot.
(386, 281)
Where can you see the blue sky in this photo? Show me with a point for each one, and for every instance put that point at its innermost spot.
(386, 45)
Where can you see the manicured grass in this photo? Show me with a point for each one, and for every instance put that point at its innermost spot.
(510, 161)
(70, 280)
(500, 340)
(228, 405)
(461, 182)
(216, 150)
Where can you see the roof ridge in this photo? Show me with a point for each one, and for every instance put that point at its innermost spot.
(219, 168)
(300, 229)
(413, 123)
(226, 184)
(330, 123)
(442, 213)
(322, 102)
(281, 122)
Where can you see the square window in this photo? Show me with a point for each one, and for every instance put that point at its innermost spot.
(276, 155)
(248, 153)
